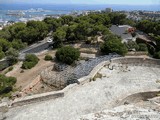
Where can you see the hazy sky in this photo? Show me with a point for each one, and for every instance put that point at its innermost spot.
(130, 2)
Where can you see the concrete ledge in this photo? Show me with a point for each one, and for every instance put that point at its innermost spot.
(37, 98)
(143, 94)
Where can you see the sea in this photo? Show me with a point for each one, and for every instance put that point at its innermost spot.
(41, 10)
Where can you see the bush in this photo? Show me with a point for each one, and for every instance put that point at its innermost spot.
(2, 55)
(113, 45)
(12, 60)
(30, 61)
(142, 47)
(10, 68)
(6, 84)
(48, 58)
(131, 45)
(157, 55)
(67, 54)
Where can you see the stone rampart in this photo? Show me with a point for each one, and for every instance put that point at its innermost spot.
(139, 61)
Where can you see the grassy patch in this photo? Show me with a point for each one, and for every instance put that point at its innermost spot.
(48, 58)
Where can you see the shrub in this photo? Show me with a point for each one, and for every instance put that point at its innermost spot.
(131, 45)
(157, 55)
(48, 58)
(67, 54)
(6, 84)
(10, 68)
(12, 60)
(113, 45)
(30, 61)
(2, 55)
(142, 47)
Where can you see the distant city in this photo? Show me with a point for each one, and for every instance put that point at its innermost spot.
(11, 15)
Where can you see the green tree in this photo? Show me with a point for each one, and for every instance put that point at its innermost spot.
(67, 54)
(2, 55)
(4, 44)
(12, 56)
(12, 52)
(66, 19)
(18, 44)
(30, 61)
(6, 84)
(113, 45)
(52, 23)
(40, 27)
(58, 37)
(71, 32)
(15, 29)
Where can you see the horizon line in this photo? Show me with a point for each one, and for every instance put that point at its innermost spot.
(83, 4)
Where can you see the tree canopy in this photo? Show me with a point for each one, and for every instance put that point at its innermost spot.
(30, 61)
(67, 54)
(113, 45)
(6, 84)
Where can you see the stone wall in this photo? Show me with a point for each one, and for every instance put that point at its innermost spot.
(37, 98)
(53, 95)
(137, 61)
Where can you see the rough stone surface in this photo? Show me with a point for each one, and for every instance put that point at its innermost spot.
(128, 112)
(70, 74)
(117, 83)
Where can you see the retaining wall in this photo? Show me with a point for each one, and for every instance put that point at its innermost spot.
(137, 61)
(53, 95)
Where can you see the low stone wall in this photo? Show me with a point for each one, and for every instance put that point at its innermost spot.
(137, 97)
(53, 95)
(37, 98)
(86, 79)
(137, 61)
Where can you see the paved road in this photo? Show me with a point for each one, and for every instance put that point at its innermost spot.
(35, 48)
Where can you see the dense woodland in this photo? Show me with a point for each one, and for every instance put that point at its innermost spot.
(68, 29)
(64, 29)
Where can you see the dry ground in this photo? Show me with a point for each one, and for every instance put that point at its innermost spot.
(25, 78)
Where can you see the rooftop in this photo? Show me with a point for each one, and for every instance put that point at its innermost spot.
(121, 31)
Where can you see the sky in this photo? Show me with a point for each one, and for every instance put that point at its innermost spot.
(124, 2)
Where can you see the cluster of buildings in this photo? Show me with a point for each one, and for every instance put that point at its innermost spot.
(5, 23)
(141, 15)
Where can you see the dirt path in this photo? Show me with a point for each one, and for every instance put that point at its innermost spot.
(25, 78)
